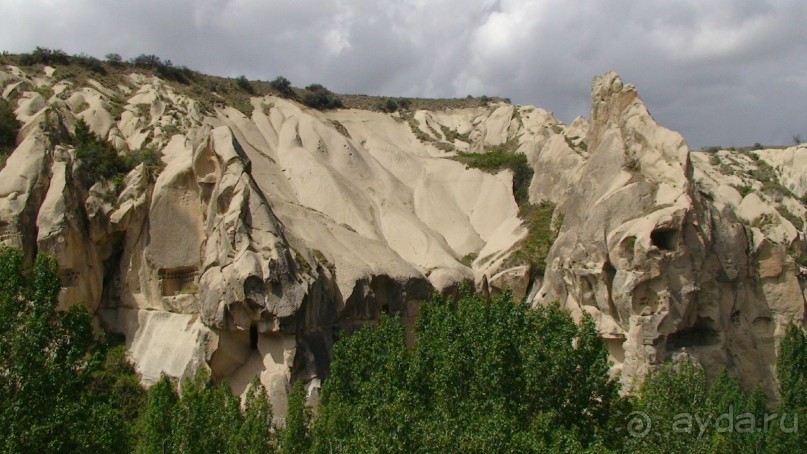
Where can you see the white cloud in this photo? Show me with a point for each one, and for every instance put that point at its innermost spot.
(722, 72)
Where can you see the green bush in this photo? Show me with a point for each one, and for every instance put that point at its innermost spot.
(114, 59)
(45, 56)
(9, 128)
(243, 84)
(322, 99)
(497, 160)
(282, 86)
(540, 237)
(97, 159)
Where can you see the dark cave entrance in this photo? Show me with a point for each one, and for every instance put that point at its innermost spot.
(664, 239)
(253, 337)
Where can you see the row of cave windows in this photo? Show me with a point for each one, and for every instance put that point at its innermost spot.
(170, 282)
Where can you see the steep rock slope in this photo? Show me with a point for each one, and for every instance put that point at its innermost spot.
(261, 240)
(665, 255)
(274, 229)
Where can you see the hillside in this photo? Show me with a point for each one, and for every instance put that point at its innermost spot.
(243, 231)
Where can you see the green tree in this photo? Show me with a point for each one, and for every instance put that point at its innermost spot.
(483, 376)
(322, 99)
(97, 158)
(9, 127)
(243, 84)
(114, 59)
(674, 390)
(296, 438)
(156, 433)
(206, 412)
(51, 367)
(791, 370)
(282, 86)
(255, 435)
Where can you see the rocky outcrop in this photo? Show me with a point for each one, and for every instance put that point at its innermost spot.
(661, 266)
(273, 230)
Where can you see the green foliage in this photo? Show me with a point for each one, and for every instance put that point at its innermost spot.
(686, 415)
(147, 61)
(60, 389)
(206, 418)
(45, 56)
(792, 368)
(244, 84)
(318, 97)
(296, 437)
(148, 156)
(389, 105)
(483, 376)
(540, 236)
(9, 128)
(282, 86)
(674, 389)
(114, 59)
(89, 62)
(156, 421)
(497, 160)
(164, 68)
(98, 160)
(206, 412)
(255, 434)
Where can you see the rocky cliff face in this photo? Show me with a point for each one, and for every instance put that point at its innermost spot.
(267, 236)
(661, 249)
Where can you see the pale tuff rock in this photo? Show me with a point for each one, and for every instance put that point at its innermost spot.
(661, 268)
(267, 236)
(790, 165)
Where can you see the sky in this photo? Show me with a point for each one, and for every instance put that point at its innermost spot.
(721, 72)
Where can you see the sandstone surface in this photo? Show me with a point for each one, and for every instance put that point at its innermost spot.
(275, 229)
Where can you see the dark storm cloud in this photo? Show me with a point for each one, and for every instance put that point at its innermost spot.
(724, 72)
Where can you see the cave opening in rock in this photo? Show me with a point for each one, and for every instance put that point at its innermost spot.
(701, 334)
(175, 281)
(253, 337)
(68, 277)
(664, 239)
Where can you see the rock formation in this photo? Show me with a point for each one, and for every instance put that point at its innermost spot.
(269, 234)
(662, 251)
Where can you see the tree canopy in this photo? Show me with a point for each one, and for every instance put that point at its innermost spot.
(482, 376)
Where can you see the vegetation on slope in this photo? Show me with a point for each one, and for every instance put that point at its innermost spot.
(98, 160)
(481, 376)
(215, 91)
(9, 128)
(537, 218)
(497, 160)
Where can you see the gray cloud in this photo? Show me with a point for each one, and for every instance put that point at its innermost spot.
(727, 72)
